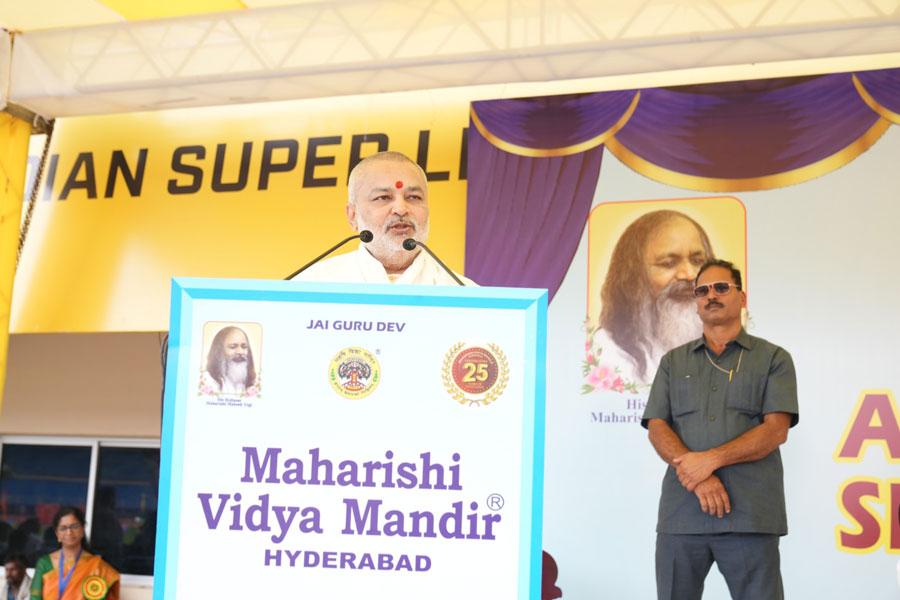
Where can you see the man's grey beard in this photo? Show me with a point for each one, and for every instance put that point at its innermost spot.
(671, 319)
(389, 250)
(235, 372)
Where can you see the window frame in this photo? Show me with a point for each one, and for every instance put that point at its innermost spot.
(94, 443)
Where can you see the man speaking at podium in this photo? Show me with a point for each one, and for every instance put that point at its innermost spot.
(387, 195)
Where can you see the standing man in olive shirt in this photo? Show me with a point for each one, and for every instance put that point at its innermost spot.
(719, 408)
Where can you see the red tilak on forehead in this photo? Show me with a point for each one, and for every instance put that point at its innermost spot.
(398, 185)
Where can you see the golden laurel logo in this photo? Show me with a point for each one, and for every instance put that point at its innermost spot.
(354, 373)
(94, 588)
(475, 375)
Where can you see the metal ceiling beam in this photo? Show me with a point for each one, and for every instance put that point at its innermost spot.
(369, 46)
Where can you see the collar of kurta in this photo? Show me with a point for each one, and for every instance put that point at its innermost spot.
(374, 271)
(743, 340)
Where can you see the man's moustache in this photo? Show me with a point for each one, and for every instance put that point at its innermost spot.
(239, 358)
(400, 221)
(712, 303)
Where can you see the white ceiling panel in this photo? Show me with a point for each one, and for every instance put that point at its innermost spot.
(283, 51)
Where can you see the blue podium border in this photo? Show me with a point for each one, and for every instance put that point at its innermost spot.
(186, 290)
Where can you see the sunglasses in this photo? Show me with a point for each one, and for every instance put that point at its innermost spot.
(720, 288)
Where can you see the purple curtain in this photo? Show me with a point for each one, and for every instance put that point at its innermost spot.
(744, 130)
(534, 163)
(553, 122)
(525, 215)
(884, 87)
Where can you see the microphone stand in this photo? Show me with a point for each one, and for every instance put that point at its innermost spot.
(365, 235)
(410, 244)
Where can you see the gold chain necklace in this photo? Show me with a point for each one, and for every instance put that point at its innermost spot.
(728, 372)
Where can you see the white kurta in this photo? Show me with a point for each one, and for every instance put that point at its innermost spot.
(362, 267)
(24, 590)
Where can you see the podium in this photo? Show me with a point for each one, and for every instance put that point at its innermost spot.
(352, 441)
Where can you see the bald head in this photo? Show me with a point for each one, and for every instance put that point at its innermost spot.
(374, 162)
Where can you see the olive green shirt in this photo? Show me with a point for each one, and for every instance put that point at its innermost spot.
(707, 410)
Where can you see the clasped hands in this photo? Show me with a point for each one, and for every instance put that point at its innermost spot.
(695, 472)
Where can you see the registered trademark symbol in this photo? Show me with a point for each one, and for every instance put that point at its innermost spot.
(495, 502)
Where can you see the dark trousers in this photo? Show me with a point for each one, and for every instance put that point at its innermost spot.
(749, 562)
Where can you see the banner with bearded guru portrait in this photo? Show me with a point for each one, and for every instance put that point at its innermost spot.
(612, 200)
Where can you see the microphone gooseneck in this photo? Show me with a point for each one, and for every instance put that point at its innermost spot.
(365, 236)
(410, 244)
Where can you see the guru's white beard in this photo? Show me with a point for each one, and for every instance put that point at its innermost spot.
(672, 322)
(234, 375)
(677, 323)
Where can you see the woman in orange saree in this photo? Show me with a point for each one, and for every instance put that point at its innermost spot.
(73, 573)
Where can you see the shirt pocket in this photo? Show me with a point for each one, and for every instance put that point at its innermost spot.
(686, 395)
(744, 397)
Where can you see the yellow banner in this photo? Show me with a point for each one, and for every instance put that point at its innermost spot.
(252, 191)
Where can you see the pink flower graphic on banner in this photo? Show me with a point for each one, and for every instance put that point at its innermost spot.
(209, 387)
(600, 376)
(206, 389)
(605, 378)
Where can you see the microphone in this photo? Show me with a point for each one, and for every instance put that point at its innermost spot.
(410, 244)
(365, 236)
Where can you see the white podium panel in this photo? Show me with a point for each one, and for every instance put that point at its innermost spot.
(346, 441)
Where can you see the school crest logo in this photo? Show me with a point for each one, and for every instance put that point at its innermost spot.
(354, 373)
(475, 375)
